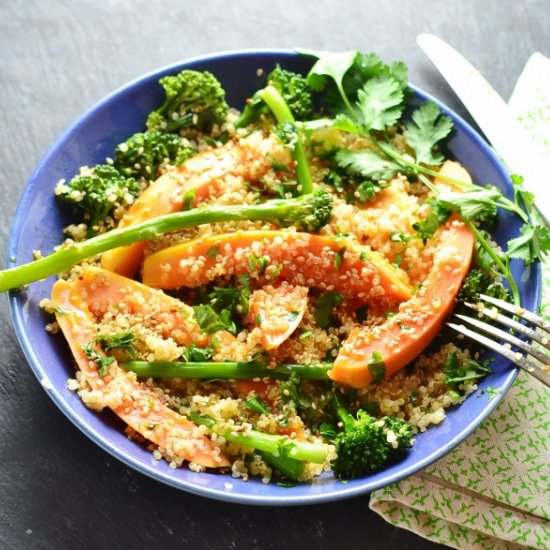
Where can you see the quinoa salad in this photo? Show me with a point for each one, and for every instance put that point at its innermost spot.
(261, 289)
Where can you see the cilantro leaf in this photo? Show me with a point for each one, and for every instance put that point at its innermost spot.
(477, 203)
(533, 242)
(329, 65)
(367, 163)
(427, 127)
(364, 68)
(380, 102)
(521, 194)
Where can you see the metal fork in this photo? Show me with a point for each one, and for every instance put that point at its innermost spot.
(534, 360)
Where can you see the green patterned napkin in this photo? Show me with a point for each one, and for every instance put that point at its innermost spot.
(493, 490)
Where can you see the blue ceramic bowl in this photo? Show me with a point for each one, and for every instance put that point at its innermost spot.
(38, 225)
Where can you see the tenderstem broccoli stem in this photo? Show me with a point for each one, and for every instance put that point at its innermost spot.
(282, 113)
(277, 445)
(65, 258)
(224, 371)
(340, 408)
(287, 466)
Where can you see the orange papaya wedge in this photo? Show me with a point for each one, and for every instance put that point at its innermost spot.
(277, 312)
(302, 259)
(141, 408)
(373, 353)
(198, 178)
(106, 291)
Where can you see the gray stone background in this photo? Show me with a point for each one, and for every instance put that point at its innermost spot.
(57, 489)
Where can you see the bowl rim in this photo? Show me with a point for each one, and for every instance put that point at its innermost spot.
(342, 490)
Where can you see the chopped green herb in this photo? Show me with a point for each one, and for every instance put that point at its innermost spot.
(194, 353)
(361, 313)
(324, 307)
(258, 265)
(292, 316)
(254, 403)
(339, 258)
(276, 272)
(456, 372)
(210, 322)
(102, 361)
(120, 340)
(377, 367)
(188, 200)
(213, 251)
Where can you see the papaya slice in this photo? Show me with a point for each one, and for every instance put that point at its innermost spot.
(277, 312)
(302, 259)
(106, 291)
(373, 353)
(198, 178)
(138, 406)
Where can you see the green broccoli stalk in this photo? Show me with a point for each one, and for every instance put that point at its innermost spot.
(280, 446)
(306, 213)
(98, 192)
(284, 117)
(366, 444)
(143, 154)
(193, 99)
(294, 89)
(229, 370)
(285, 465)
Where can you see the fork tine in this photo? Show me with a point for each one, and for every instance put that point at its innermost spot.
(519, 311)
(492, 313)
(507, 337)
(542, 374)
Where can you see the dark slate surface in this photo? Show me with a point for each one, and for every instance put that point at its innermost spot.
(57, 489)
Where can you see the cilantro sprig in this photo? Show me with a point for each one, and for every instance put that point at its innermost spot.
(368, 98)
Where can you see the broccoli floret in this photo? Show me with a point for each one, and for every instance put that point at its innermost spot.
(293, 88)
(143, 154)
(193, 99)
(98, 191)
(367, 444)
(479, 282)
(308, 212)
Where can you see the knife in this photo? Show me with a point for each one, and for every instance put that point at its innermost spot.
(497, 121)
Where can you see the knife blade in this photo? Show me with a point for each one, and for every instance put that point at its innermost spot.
(497, 121)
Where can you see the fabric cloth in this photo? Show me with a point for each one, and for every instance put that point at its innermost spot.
(493, 490)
